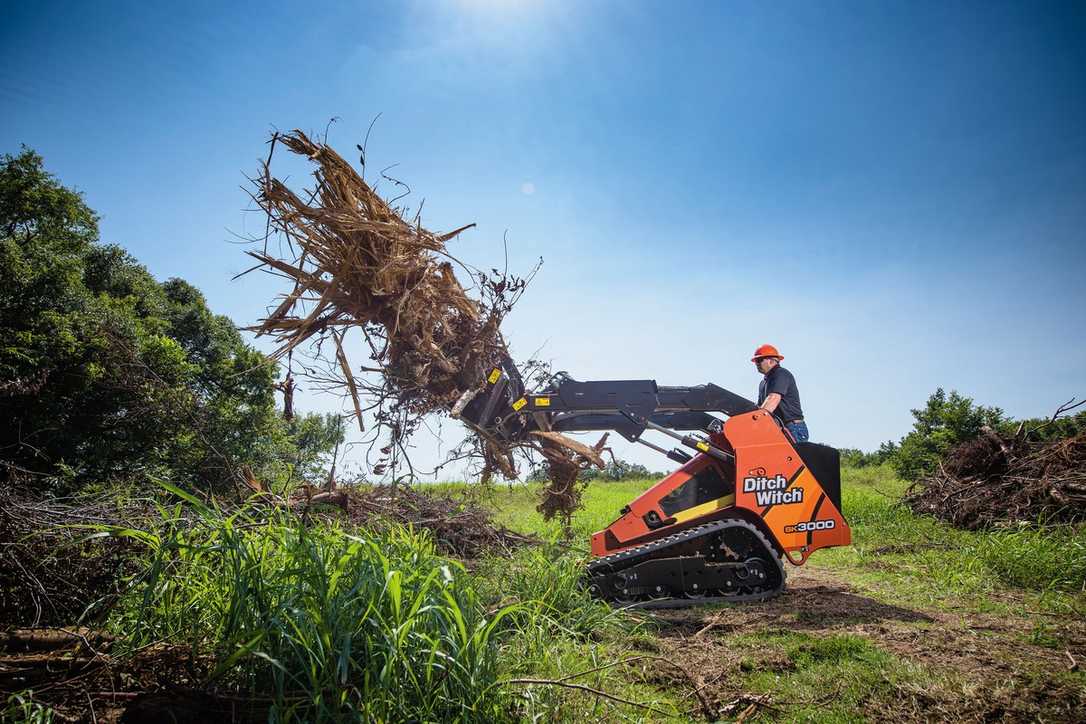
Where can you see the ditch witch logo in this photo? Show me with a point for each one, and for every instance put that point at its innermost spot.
(772, 491)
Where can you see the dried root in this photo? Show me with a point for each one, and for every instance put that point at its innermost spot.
(355, 262)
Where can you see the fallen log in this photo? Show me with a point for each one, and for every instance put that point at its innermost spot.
(49, 639)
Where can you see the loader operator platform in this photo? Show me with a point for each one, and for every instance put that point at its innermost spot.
(777, 392)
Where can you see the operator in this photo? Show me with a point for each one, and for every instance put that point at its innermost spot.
(777, 392)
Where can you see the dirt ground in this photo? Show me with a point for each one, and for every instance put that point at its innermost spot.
(979, 667)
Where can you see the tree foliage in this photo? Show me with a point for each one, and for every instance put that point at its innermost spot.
(856, 458)
(617, 469)
(943, 422)
(106, 373)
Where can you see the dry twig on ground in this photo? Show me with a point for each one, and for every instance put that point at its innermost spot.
(463, 529)
(50, 572)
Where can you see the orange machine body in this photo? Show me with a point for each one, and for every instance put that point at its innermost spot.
(768, 484)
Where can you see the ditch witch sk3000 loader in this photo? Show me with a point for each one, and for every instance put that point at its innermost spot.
(715, 529)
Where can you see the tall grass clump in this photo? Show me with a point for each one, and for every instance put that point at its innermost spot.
(547, 586)
(325, 624)
(557, 629)
(1040, 557)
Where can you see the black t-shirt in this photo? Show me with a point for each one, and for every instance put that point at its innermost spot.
(782, 382)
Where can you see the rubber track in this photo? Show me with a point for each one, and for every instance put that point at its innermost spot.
(632, 556)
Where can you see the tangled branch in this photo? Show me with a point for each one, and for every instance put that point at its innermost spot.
(356, 262)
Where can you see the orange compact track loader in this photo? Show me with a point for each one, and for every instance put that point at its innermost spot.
(745, 498)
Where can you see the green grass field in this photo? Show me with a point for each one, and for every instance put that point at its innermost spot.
(811, 656)
(890, 544)
(913, 622)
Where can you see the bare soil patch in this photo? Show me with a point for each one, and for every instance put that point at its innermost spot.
(985, 667)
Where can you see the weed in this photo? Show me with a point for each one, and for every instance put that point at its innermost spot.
(550, 580)
(832, 676)
(330, 626)
(21, 707)
(1042, 634)
(1037, 557)
(834, 650)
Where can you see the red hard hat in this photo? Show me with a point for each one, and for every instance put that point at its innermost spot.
(766, 350)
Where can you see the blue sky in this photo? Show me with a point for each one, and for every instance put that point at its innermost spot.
(892, 193)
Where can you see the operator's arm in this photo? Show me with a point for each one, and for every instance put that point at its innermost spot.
(779, 384)
(771, 401)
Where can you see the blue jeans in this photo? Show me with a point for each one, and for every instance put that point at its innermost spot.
(799, 431)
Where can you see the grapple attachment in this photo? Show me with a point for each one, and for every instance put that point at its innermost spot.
(493, 409)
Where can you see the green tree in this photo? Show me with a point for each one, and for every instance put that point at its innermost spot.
(105, 373)
(942, 423)
(855, 458)
(313, 440)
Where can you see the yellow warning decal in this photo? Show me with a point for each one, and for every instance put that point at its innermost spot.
(542, 401)
(700, 510)
(703, 446)
(495, 374)
(519, 404)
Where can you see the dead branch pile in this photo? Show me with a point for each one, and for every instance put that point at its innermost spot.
(565, 460)
(459, 528)
(997, 478)
(355, 262)
(50, 572)
(75, 672)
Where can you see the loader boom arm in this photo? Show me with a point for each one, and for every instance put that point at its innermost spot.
(503, 409)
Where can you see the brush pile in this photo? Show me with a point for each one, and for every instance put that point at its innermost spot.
(74, 672)
(355, 262)
(50, 570)
(460, 528)
(996, 478)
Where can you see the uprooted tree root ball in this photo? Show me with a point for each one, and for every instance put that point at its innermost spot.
(565, 460)
(1002, 478)
(355, 262)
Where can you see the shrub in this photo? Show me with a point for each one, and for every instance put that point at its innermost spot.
(854, 458)
(615, 470)
(942, 423)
